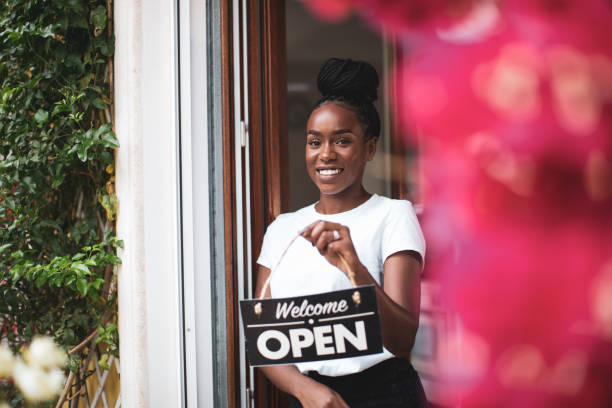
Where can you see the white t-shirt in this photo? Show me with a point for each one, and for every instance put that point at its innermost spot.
(379, 228)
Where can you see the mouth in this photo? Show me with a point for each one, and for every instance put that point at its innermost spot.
(330, 171)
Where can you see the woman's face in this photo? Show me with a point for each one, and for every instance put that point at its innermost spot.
(336, 150)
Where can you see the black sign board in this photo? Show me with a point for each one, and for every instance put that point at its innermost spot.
(325, 326)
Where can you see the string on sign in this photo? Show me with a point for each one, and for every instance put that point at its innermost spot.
(349, 271)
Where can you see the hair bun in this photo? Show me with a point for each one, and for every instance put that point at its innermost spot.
(348, 78)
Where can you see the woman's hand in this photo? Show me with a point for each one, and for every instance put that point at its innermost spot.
(398, 302)
(332, 239)
(317, 395)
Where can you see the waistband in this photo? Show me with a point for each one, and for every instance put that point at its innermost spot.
(382, 373)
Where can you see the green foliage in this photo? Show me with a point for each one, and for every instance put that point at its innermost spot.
(108, 336)
(57, 198)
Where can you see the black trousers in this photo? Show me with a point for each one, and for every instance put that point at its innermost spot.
(392, 383)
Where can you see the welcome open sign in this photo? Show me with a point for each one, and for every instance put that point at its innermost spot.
(310, 328)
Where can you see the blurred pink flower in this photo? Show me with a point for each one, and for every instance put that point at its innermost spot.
(397, 16)
(535, 100)
(523, 268)
(511, 105)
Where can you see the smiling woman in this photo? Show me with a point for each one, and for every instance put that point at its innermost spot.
(342, 132)
(336, 153)
(348, 231)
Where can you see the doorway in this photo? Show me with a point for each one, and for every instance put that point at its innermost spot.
(272, 53)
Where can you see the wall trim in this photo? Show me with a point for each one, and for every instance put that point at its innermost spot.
(147, 179)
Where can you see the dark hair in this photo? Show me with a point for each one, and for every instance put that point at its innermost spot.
(353, 83)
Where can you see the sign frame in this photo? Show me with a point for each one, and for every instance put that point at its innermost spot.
(324, 326)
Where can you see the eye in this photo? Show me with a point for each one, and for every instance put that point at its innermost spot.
(313, 142)
(343, 141)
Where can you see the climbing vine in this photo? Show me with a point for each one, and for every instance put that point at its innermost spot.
(57, 199)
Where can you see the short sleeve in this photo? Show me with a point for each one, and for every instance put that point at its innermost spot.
(265, 255)
(402, 231)
(275, 233)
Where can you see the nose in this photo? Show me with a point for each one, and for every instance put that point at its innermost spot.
(327, 152)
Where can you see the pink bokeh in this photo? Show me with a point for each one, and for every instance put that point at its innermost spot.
(510, 103)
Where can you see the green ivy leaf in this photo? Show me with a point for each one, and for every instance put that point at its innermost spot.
(98, 104)
(113, 259)
(54, 150)
(17, 254)
(109, 202)
(105, 128)
(82, 286)
(61, 108)
(73, 362)
(57, 180)
(90, 262)
(107, 47)
(41, 280)
(103, 362)
(79, 267)
(98, 17)
(82, 152)
(41, 116)
(97, 283)
(109, 140)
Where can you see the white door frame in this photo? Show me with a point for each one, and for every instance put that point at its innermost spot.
(170, 212)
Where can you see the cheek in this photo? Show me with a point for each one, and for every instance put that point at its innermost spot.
(308, 157)
(310, 160)
(358, 157)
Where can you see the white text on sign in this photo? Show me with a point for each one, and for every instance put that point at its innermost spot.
(328, 339)
(307, 309)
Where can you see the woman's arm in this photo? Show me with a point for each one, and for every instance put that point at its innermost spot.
(398, 302)
(289, 379)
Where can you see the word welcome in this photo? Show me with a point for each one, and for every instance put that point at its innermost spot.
(307, 310)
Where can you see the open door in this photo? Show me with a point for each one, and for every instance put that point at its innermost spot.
(272, 51)
(255, 175)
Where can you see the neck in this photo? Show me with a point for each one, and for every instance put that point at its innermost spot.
(337, 203)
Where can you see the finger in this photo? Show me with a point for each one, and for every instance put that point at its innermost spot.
(321, 226)
(339, 231)
(317, 230)
(325, 238)
(344, 232)
(307, 229)
(328, 225)
(306, 233)
(312, 231)
(334, 247)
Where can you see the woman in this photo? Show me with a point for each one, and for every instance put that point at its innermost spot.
(377, 237)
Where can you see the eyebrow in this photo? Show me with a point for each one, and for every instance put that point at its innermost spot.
(335, 132)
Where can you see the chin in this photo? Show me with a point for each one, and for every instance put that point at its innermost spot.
(330, 191)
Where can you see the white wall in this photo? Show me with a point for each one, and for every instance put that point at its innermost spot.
(165, 282)
(146, 126)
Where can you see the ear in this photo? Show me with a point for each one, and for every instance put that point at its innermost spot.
(370, 146)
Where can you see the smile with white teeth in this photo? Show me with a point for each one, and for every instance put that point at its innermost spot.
(329, 172)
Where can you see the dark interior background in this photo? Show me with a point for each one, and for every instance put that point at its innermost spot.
(309, 43)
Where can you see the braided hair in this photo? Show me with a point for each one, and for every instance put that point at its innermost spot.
(353, 83)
